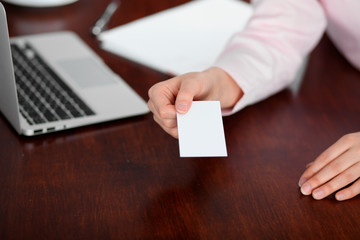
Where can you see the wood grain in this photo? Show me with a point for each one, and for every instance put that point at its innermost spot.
(125, 179)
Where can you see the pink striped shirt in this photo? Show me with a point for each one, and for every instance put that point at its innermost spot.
(264, 58)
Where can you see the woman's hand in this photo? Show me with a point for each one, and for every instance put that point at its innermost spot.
(334, 169)
(176, 95)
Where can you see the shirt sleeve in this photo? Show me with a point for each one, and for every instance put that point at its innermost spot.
(343, 27)
(264, 58)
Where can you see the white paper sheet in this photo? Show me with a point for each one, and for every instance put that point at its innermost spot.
(201, 131)
(182, 39)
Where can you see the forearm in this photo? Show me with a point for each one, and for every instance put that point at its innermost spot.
(264, 58)
(344, 20)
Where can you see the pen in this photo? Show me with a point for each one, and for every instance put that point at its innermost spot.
(105, 17)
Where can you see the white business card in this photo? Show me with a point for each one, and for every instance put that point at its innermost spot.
(201, 131)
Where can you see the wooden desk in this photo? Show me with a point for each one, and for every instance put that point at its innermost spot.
(125, 179)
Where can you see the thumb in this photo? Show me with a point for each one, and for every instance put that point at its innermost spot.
(185, 97)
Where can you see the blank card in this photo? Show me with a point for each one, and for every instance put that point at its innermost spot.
(201, 131)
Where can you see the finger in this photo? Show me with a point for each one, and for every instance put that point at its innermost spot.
(302, 180)
(331, 170)
(188, 90)
(343, 179)
(162, 97)
(309, 164)
(331, 153)
(168, 123)
(327, 156)
(164, 112)
(349, 192)
(173, 131)
(151, 106)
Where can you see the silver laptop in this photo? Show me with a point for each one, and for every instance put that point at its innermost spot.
(54, 81)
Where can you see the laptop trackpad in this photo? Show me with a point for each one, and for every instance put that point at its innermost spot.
(86, 72)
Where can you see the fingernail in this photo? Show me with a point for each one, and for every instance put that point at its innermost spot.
(318, 194)
(340, 196)
(181, 107)
(302, 181)
(306, 189)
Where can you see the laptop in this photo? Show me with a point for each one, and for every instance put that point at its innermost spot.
(54, 81)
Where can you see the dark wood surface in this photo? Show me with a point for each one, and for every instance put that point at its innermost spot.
(125, 179)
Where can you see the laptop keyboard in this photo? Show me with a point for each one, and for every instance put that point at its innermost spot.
(43, 96)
